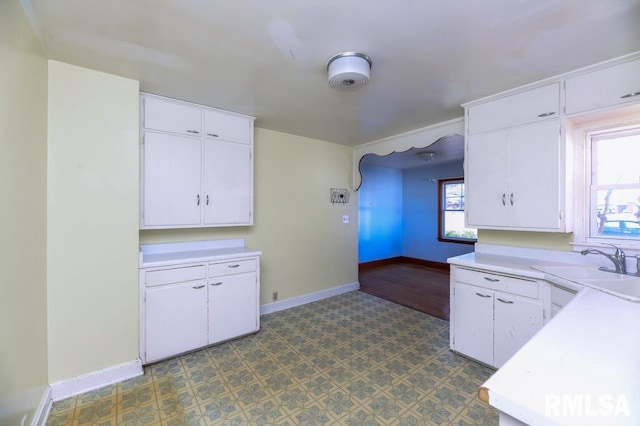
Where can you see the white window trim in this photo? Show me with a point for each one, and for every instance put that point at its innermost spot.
(580, 132)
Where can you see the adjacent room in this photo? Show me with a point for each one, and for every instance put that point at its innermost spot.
(326, 212)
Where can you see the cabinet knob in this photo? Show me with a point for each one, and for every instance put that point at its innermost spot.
(207, 199)
(630, 95)
(511, 198)
(546, 114)
(198, 199)
(504, 199)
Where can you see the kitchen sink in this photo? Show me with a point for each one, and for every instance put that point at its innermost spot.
(610, 282)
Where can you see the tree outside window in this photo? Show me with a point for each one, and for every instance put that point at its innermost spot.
(451, 201)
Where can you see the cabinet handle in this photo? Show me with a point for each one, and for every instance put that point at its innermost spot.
(504, 198)
(216, 284)
(195, 132)
(504, 301)
(630, 95)
(546, 114)
(213, 135)
(233, 266)
(511, 198)
(483, 295)
(198, 287)
(493, 280)
(207, 199)
(198, 202)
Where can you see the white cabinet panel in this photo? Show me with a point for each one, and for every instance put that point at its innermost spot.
(228, 183)
(175, 319)
(172, 116)
(521, 108)
(227, 127)
(516, 320)
(171, 180)
(473, 325)
(233, 302)
(615, 85)
(514, 178)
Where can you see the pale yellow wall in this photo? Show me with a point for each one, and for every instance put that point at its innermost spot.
(541, 240)
(23, 121)
(306, 247)
(92, 221)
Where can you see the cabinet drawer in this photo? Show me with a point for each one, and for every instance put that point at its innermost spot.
(619, 84)
(228, 127)
(175, 275)
(522, 108)
(234, 267)
(173, 117)
(523, 287)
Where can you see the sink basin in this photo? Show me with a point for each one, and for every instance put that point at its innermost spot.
(583, 272)
(610, 282)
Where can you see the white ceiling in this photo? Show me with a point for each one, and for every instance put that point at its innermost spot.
(268, 58)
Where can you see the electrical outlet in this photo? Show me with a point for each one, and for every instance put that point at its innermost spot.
(345, 218)
(274, 296)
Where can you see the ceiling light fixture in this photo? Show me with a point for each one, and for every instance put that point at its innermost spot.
(427, 155)
(348, 70)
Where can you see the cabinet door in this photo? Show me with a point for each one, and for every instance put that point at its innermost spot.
(171, 116)
(227, 127)
(516, 320)
(514, 110)
(473, 322)
(535, 176)
(610, 86)
(171, 180)
(233, 306)
(175, 319)
(486, 180)
(228, 183)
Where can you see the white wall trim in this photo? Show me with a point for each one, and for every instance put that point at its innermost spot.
(272, 307)
(96, 379)
(42, 413)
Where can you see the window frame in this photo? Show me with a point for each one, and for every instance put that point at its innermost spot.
(441, 209)
(582, 129)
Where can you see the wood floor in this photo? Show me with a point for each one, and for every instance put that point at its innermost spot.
(423, 288)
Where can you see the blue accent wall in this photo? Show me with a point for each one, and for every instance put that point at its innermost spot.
(398, 214)
(379, 214)
(420, 214)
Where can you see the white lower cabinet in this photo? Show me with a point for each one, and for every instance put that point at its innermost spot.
(492, 315)
(187, 306)
(560, 297)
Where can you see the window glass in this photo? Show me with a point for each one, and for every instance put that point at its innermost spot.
(615, 185)
(451, 218)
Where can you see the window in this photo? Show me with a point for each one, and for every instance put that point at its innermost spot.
(614, 186)
(451, 212)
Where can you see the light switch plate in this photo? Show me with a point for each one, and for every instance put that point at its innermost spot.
(345, 218)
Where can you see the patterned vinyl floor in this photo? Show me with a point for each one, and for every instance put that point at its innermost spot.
(352, 359)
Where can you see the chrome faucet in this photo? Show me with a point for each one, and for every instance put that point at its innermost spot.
(618, 258)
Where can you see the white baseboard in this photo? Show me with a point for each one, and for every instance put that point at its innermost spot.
(42, 413)
(96, 379)
(280, 305)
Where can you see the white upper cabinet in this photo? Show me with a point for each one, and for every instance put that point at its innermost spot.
(191, 178)
(607, 87)
(227, 127)
(513, 110)
(171, 116)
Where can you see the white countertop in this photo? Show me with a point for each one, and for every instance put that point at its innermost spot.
(581, 368)
(165, 254)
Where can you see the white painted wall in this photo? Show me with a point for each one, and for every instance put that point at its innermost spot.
(23, 127)
(92, 221)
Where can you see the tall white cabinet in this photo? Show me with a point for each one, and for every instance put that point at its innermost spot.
(197, 165)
